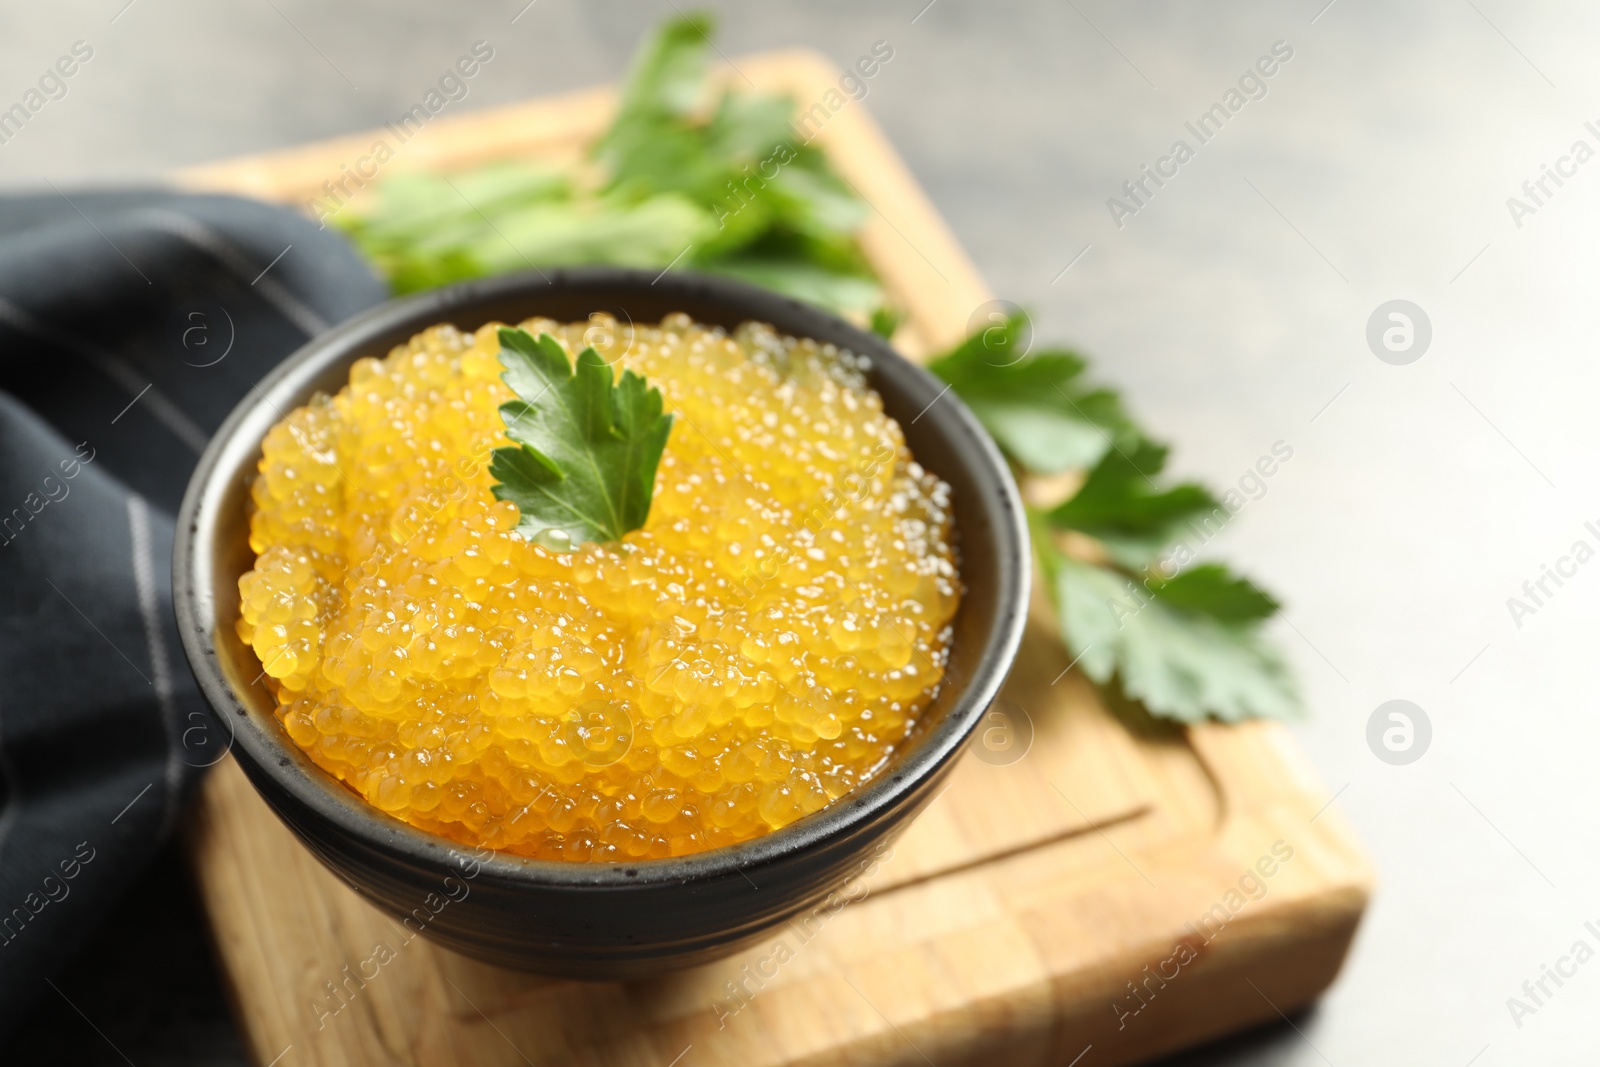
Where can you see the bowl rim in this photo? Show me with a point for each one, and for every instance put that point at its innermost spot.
(269, 752)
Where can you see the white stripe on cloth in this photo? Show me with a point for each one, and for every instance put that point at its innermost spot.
(144, 581)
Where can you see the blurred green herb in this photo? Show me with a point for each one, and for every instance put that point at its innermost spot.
(724, 186)
(1185, 643)
(1038, 408)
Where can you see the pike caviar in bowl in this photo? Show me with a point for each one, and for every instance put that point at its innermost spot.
(625, 754)
(756, 651)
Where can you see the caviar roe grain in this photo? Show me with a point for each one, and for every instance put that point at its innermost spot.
(757, 650)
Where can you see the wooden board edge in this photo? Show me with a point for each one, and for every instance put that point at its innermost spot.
(1234, 984)
(1268, 965)
(293, 174)
(1260, 769)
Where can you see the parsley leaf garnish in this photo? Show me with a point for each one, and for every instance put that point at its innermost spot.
(584, 466)
(1120, 505)
(1186, 646)
(1183, 660)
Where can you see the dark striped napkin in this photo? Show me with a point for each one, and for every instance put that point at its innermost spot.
(130, 325)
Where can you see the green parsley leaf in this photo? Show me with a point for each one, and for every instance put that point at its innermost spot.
(584, 466)
(1120, 505)
(415, 209)
(1186, 647)
(1036, 406)
(552, 232)
(749, 125)
(646, 234)
(1210, 589)
(815, 285)
(1178, 663)
(729, 189)
(886, 320)
(665, 77)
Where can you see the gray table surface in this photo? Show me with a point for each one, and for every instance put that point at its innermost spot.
(1232, 308)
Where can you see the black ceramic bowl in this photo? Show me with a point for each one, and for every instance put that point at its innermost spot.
(598, 920)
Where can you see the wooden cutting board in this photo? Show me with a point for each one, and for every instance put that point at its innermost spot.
(1099, 895)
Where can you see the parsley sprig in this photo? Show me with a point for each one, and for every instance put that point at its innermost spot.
(1187, 644)
(584, 466)
(684, 178)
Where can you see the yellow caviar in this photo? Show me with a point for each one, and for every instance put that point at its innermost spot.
(757, 650)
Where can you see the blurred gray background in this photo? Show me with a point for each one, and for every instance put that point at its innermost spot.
(1231, 309)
